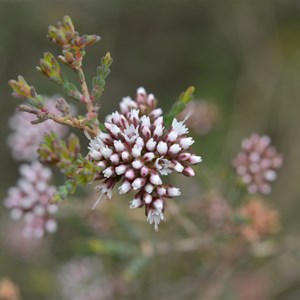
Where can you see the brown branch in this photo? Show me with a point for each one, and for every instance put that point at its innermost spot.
(70, 120)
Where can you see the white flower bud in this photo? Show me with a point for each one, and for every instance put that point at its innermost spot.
(144, 171)
(149, 188)
(174, 149)
(119, 146)
(125, 187)
(148, 156)
(136, 202)
(138, 183)
(108, 172)
(178, 167)
(173, 192)
(150, 145)
(159, 204)
(172, 136)
(158, 131)
(106, 152)
(137, 164)
(121, 169)
(130, 174)
(194, 159)
(161, 191)
(147, 198)
(188, 171)
(162, 148)
(136, 151)
(155, 179)
(115, 158)
(185, 143)
(125, 156)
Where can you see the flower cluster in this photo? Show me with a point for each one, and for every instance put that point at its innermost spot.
(29, 200)
(200, 116)
(259, 220)
(257, 163)
(137, 149)
(25, 139)
(145, 103)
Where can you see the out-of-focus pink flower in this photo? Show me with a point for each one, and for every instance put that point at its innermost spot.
(259, 220)
(84, 279)
(9, 290)
(139, 151)
(29, 200)
(26, 137)
(257, 163)
(218, 211)
(200, 116)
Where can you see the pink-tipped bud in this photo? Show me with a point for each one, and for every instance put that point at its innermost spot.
(159, 204)
(147, 198)
(102, 164)
(178, 167)
(130, 174)
(188, 171)
(194, 159)
(161, 191)
(126, 156)
(115, 158)
(105, 137)
(148, 156)
(144, 171)
(184, 156)
(151, 100)
(158, 131)
(112, 128)
(156, 113)
(159, 121)
(162, 148)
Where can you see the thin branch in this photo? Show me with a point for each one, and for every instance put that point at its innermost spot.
(71, 121)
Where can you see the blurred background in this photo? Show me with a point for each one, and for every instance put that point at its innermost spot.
(244, 58)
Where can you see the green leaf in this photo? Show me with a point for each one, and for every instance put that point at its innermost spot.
(179, 105)
(102, 72)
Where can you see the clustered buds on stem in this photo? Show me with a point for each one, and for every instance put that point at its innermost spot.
(139, 150)
(29, 200)
(257, 163)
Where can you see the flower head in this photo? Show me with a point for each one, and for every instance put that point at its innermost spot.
(260, 220)
(139, 151)
(257, 163)
(145, 103)
(29, 200)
